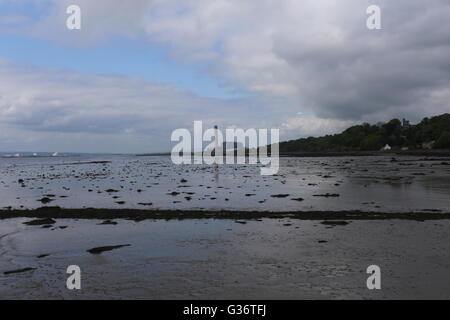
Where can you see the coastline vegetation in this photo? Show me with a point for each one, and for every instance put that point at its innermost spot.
(430, 133)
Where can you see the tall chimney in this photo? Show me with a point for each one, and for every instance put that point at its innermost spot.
(216, 139)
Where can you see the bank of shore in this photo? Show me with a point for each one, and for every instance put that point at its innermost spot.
(138, 215)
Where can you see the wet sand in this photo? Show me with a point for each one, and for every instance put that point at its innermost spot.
(140, 227)
(383, 184)
(225, 259)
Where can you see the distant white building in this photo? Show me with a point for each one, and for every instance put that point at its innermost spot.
(428, 145)
(386, 148)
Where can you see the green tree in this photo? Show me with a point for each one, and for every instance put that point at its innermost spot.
(368, 137)
(372, 142)
(444, 141)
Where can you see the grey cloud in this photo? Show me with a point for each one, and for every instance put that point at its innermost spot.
(313, 55)
(389, 72)
(43, 102)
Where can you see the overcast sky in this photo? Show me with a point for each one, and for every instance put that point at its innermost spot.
(139, 69)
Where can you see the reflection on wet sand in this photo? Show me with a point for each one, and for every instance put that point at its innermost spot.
(225, 259)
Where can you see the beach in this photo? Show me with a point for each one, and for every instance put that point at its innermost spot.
(386, 183)
(226, 259)
(143, 228)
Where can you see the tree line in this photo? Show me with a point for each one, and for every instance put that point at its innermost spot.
(431, 132)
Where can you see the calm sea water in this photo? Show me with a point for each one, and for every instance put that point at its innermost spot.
(324, 183)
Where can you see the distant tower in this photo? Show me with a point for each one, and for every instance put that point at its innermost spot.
(216, 149)
(405, 124)
(216, 139)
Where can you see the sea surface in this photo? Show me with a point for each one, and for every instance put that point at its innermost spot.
(374, 183)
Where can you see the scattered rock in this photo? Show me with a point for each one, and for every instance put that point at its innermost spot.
(279, 195)
(18, 271)
(335, 223)
(327, 195)
(39, 222)
(432, 210)
(45, 200)
(99, 250)
(108, 222)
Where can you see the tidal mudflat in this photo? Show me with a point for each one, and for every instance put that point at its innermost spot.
(225, 259)
(384, 184)
(140, 227)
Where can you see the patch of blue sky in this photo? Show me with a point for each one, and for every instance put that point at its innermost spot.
(29, 9)
(128, 57)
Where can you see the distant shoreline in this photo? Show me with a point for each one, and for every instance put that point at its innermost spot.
(418, 152)
(435, 153)
(157, 214)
